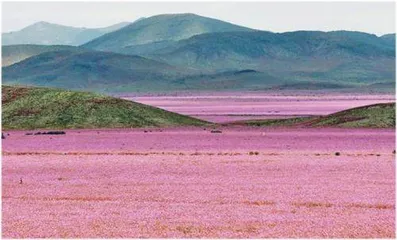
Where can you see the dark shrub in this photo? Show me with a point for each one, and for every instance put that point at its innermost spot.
(216, 131)
(55, 132)
(49, 133)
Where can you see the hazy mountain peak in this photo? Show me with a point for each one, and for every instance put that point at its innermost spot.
(171, 15)
(164, 27)
(43, 25)
(46, 33)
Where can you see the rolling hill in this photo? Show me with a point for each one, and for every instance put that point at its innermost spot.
(15, 53)
(44, 108)
(341, 56)
(381, 115)
(90, 70)
(44, 33)
(337, 59)
(81, 69)
(110, 72)
(166, 27)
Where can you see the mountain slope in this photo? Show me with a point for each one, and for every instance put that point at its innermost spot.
(90, 70)
(167, 27)
(15, 53)
(83, 69)
(391, 38)
(381, 115)
(329, 56)
(45, 33)
(205, 49)
(43, 108)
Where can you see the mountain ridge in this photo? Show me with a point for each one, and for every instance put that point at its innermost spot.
(85, 69)
(15, 53)
(159, 28)
(46, 33)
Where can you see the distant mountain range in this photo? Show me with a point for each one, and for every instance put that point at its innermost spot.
(53, 34)
(341, 56)
(191, 52)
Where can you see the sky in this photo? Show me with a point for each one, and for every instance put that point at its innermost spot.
(371, 17)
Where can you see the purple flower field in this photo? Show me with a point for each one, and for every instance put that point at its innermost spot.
(226, 107)
(189, 182)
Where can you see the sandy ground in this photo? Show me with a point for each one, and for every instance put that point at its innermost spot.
(232, 107)
(189, 182)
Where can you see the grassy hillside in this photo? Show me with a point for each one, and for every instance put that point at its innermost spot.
(46, 33)
(381, 115)
(15, 53)
(44, 108)
(377, 116)
(165, 27)
(272, 122)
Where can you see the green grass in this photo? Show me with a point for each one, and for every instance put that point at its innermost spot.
(46, 108)
(381, 115)
(274, 122)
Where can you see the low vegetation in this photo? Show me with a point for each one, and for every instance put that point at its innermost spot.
(46, 108)
(274, 122)
(382, 115)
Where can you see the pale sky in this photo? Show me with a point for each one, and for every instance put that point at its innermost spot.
(371, 17)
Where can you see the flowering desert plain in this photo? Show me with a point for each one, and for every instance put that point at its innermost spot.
(224, 180)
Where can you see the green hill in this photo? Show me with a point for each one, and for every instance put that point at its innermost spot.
(91, 70)
(165, 27)
(381, 115)
(45, 108)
